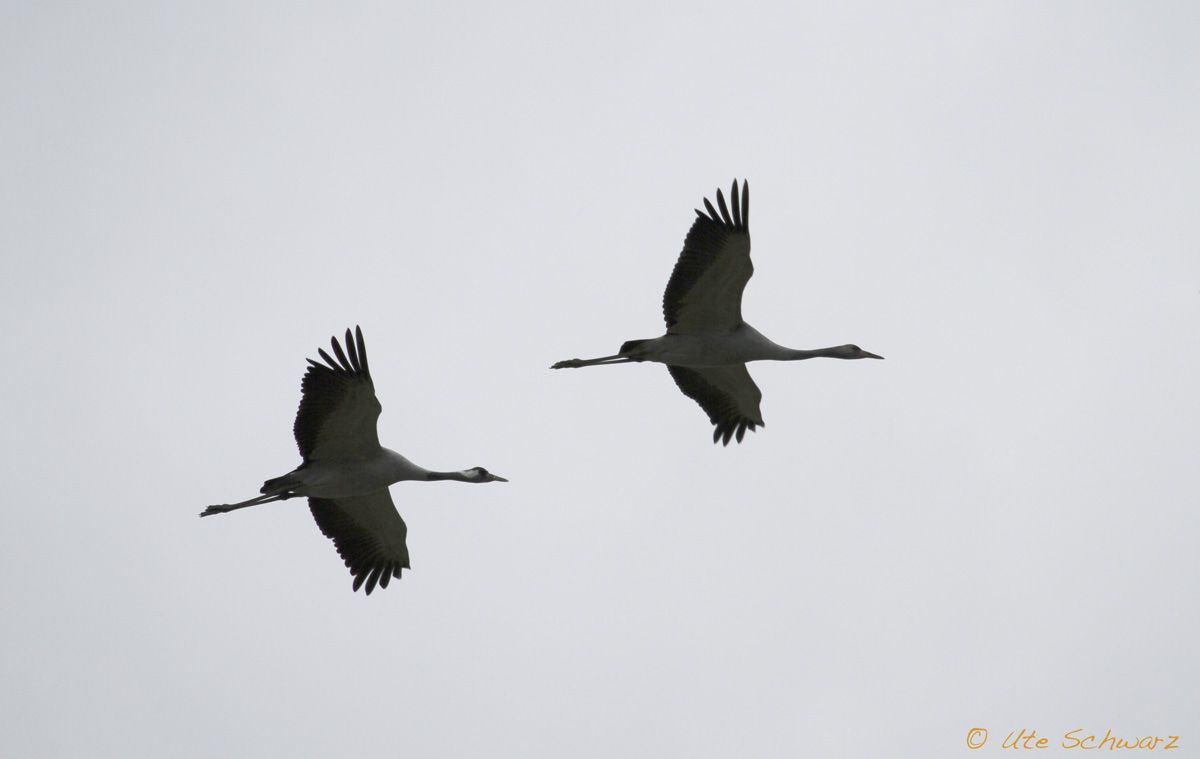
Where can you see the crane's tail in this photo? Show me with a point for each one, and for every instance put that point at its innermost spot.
(280, 484)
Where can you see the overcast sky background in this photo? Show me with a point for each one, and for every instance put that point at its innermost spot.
(997, 526)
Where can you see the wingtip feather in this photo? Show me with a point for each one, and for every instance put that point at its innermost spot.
(373, 580)
(362, 349)
(327, 359)
(352, 351)
(724, 208)
(337, 351)
(746, 203)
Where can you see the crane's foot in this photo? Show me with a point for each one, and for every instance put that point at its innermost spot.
(218, 509)
(570, 363)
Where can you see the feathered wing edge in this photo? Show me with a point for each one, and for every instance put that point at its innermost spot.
(740, 218)
(370, 540)
(729, 417)
(705, 241)
(325, 384)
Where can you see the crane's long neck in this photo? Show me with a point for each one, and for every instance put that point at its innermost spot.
(797, 354)
(399, 468)
(459, 476)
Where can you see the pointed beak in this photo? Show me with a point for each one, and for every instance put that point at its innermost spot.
(496, 478)
(870, 355)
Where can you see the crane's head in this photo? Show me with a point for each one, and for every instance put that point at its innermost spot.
(479, 474)
(852, 351)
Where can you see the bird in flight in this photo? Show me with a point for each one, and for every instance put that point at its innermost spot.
(346, 473)
(707, 344)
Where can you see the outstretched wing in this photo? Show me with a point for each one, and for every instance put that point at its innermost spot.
(338, 407)
(368, 533)
(704, 294)
(727, 394)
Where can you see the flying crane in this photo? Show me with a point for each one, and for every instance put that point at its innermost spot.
(346, 473)
(707, 344)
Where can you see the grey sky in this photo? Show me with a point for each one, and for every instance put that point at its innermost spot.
(995, 527)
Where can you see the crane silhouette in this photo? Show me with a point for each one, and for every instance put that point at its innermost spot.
(707, 344)
(346, 473)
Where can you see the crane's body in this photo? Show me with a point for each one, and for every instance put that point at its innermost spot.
(707, 344)
(738, 346)
(346, 472)
(338, 479)
(356, 476)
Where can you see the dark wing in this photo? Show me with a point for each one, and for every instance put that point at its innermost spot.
(368, 533)
(338, 407)
(727, 394)
(704, 294)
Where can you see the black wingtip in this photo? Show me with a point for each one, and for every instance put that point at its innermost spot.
(328, 359)
(337, 351)
(373, 580)
(352, 351)
(724, 208)
(362, 349)
(726, 432)
(746, 203)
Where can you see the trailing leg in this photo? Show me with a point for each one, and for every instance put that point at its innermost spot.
(227, 507)
(575, 363)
